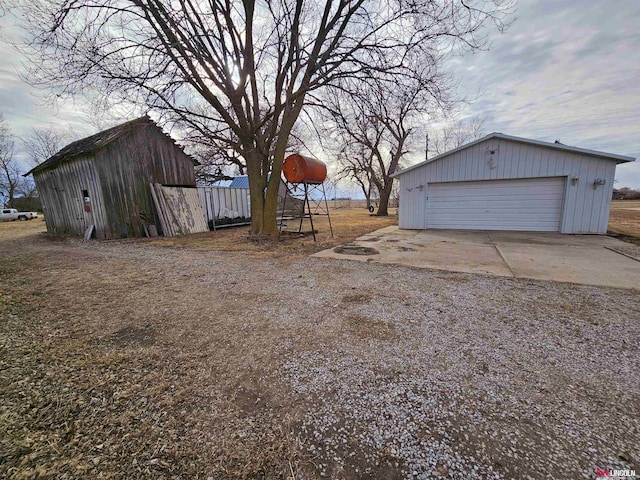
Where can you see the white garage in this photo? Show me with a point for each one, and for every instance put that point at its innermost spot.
(502, 182)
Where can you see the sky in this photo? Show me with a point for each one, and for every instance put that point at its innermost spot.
(566, 70)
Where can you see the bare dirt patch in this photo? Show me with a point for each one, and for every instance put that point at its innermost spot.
(134, 336)
(357, 298)
(355, 250)
(366, 327)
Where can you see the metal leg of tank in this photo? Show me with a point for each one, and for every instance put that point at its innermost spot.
(306, 195)
(284, 204)
(326, 205)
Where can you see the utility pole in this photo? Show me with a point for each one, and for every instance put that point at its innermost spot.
(426, 146)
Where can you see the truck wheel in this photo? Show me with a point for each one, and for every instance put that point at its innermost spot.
(22, 218)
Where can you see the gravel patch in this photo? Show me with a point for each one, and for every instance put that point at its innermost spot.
(489, 378)
(309, 368)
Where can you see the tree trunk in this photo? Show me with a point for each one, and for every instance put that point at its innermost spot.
(264, 203)
(383, 205)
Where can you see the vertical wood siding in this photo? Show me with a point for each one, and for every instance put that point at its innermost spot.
(60, 190)
(117, 178)
(585, 209)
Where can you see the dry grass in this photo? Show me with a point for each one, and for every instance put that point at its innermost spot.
(624, 218)
(121, 360)
(16, 230)
(348, 224)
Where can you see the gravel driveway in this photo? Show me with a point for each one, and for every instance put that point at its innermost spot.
(277, 367)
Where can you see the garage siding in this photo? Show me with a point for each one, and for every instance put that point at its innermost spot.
(585, 208)
(526, 205)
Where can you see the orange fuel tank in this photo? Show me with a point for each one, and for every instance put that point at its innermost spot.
(298, 169)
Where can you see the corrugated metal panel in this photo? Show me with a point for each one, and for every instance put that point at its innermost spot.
(527, 205)
(585, 208)
(413, 204)
(225, 202)
(241, 181)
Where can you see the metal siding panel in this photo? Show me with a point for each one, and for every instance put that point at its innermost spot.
(572, 193)
(535, 162)
(498, 161)
(505, 155)
(606, 204)
(529, 205)
(414, 199)
(217, 200)
(583, 212)
(507, 151)
(596, 207)
(584, 173)
(529, 160)
(477, 160)
(520, 159)
(464, 163)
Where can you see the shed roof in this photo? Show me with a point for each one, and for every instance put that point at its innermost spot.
(94, 142)
(241, 181)
(540, 143)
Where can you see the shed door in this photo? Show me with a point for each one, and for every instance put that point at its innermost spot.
(532, 204)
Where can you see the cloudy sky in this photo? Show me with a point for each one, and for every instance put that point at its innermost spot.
(565, 70)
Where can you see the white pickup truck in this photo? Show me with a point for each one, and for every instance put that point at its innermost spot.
(11, 214)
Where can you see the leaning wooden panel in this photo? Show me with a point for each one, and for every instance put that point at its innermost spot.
(160, 211)
(182, 206)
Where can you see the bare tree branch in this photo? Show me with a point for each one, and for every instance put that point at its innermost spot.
(239, 73)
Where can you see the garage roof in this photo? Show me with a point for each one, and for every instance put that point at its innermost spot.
(557, 146)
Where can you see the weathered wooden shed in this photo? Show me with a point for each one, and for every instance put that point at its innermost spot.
(104, 180)
(501, 182)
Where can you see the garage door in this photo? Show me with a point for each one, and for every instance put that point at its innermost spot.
(533, 204)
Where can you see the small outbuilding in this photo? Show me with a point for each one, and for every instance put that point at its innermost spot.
(501, 182)
(105, 180)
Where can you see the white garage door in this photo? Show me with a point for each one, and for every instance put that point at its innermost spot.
(533, 204)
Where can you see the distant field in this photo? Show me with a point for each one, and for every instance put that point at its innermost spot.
(348, 222)
(625, 217)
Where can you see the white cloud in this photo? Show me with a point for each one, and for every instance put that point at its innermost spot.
(564, 70)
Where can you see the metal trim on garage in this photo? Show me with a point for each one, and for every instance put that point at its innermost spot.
(529, 204)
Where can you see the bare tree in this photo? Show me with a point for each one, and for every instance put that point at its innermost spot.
(356, 164)
(42, 143)
(243, 66)
(217, 160)
(455, 134)
(10, 178)
(375, 124)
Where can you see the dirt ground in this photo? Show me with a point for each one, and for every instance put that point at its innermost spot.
(624, 218)
(218, 358)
